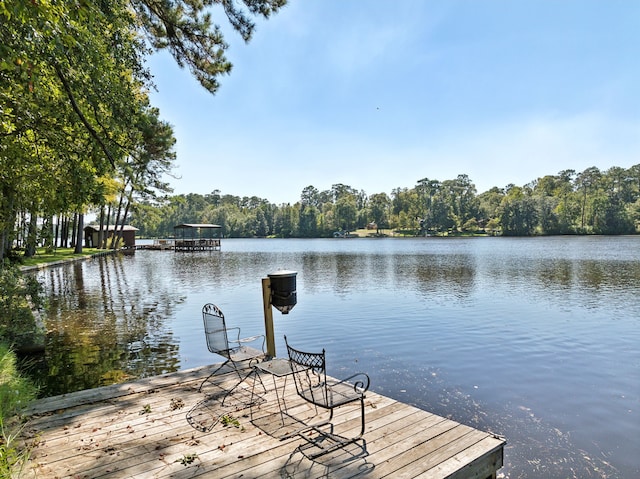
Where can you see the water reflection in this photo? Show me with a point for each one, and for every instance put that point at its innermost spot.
(535, 339)
(105, 325)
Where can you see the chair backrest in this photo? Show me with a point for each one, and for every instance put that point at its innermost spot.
(215, 330)
(310, 375)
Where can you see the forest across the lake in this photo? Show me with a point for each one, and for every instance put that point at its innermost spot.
(570, 202)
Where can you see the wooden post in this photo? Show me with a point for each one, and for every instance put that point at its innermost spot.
(268, 318)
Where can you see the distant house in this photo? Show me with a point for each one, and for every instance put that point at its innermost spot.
(91, 235)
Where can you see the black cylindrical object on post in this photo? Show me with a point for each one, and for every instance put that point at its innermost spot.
(283, 290)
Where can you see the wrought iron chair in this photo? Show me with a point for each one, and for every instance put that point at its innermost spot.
(227, 343)
(313, 385)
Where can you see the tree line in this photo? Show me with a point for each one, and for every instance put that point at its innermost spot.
(587, 202)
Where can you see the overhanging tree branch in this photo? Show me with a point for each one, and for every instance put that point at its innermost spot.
(83, 119)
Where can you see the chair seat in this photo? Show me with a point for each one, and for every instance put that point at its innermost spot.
(244, 353)
(343, 393)
(339, 393)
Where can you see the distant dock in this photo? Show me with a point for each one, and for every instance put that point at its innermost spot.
(210, 244)
(159, 245)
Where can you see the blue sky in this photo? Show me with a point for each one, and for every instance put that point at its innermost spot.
(380, 94)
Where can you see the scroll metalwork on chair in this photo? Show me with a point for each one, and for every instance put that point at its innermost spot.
(313, 385)
(227, 343)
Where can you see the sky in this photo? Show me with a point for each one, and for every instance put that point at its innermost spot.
(380, 94)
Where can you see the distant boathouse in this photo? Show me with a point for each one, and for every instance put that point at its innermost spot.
(92, 232)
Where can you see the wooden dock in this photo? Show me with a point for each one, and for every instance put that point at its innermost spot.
(188, 245)
(162, 427)
(209, 244)
(159, 245)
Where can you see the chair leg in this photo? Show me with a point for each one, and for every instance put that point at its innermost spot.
(210, 375)
(253, 390)
(361, 417)
(235, 385)
(243, 379)
(338, 441)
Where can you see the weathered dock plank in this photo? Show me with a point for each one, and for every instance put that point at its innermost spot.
(162, 427)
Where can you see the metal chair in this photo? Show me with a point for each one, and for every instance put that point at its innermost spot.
(233, 348)
(312, 384)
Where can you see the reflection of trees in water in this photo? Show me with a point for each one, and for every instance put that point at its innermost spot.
(555, 273)
(213, 270)
(556, 280)
(597, 275)
(341, 273)
(106, 323)
(313, 266)
(441, 277)
(348, 269)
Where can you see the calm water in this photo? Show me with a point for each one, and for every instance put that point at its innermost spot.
(536, 339)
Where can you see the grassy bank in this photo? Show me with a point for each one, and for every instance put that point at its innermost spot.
(15, 393)
(60, 254)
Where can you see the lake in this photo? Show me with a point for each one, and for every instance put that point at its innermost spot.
(535, 339)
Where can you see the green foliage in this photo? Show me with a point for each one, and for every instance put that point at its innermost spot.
(186, 30)
(187, 459)
(19, 295)
(15, 393)
(74, 105)
(229, 420)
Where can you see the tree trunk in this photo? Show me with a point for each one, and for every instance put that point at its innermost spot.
(63, 230)
(79, 232)
(4, 241)
(8, 222)
(32, 237)
(66, 221)
(56, 232)
(106, 228)
(73, 230)
(101, 228)
(124, 217)
(47, 234)
(116, 221)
